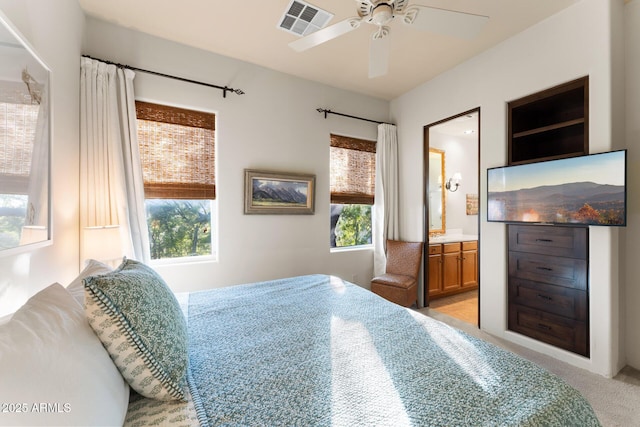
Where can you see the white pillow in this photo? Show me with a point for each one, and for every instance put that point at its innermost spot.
(5, 319)
(92, 268)
(53, 368)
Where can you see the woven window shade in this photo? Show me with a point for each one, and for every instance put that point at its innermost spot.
(353, 170)
(17, 134)
(177, 152)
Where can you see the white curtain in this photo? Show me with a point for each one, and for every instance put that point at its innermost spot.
(386, 198)
(133, 169)
(111, 188)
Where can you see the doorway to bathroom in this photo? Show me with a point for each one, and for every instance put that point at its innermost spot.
(452, 220)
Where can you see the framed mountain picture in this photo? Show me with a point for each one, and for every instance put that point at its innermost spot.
(267, 192)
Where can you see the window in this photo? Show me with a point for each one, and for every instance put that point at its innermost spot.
(177, 152)
(353, 174)
(18, 117)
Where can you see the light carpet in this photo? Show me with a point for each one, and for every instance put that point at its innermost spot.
(616, 401)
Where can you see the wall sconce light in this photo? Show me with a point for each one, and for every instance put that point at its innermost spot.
(453, 183)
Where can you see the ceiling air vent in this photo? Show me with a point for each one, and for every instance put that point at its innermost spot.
(301, 18)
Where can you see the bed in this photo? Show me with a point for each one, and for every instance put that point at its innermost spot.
(319, 351)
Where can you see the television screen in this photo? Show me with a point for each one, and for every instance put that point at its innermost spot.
(584, 190)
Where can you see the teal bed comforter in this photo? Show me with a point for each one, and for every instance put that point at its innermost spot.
(318, 351)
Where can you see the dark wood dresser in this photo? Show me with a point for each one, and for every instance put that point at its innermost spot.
(548, 265)
(548, 285)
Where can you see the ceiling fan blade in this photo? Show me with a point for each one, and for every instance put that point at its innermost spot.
(448, 22)
(325, 34)
(379, 48)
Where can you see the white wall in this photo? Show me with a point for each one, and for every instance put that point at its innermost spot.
(274, 126)
(631, 294)
(571, 44)
(461, 155)
(54, 30)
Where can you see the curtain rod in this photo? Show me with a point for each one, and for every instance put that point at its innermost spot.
(325, 111)
(224, 89)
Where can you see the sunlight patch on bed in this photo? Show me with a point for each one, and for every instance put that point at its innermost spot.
(337, 284)
(362, 390)
(463, 353)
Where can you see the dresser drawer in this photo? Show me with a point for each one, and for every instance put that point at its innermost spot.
(549, 240)
(448, 248)
(435, 249)
(568, 334)
(470, 245)
(567, 302)
(553, 270)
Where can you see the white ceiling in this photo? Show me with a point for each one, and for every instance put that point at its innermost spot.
(464, 127)
(248, 30)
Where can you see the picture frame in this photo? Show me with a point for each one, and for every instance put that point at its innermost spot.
(281, 193)
(472, 204)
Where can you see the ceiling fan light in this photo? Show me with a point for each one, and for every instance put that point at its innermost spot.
(382, 14)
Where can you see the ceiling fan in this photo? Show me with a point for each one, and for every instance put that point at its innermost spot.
(380, 13)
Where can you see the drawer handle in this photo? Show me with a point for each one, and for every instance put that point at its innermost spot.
(545, 297)
(544, 240)
(545, 268)
(545, 327)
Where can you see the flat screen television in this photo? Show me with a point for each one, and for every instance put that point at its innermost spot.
(584, 190)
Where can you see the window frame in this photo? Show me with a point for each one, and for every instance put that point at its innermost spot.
(356, 197)
(200, 115)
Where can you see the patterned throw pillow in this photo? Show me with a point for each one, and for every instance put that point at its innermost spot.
(140, 323)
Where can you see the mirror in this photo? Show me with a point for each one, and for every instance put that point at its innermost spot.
(437, 214)
(24, 144)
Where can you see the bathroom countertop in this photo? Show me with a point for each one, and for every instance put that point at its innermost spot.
(450, 238)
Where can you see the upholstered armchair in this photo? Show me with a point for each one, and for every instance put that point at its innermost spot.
(399, 284)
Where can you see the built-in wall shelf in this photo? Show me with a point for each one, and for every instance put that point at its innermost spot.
(550, 124)
(549, 128)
